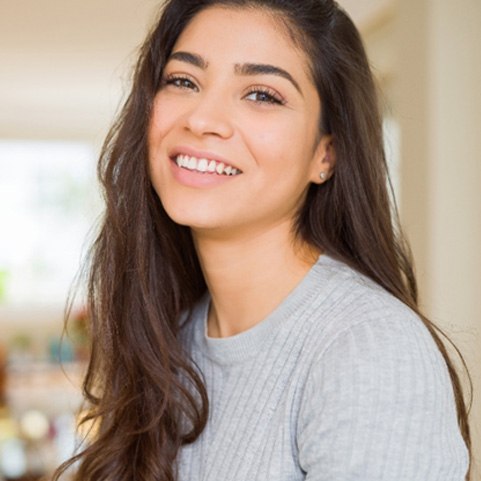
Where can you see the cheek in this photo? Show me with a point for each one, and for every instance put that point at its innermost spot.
(158, 126)
(269, 137)
(162, 119)
(281, 147)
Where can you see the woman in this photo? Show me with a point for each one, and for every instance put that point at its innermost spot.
(254, 311)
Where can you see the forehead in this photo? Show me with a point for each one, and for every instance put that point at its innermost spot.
(237, 35)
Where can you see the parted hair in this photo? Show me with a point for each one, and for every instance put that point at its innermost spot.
(144, 395)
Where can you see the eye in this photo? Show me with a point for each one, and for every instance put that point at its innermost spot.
(179, 81)
(264, 95)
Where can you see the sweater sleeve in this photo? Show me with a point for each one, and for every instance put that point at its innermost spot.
(379, 406)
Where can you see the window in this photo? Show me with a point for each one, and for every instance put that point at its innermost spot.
(48, 204)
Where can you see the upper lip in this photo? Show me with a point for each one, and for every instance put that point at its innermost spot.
(199, 154)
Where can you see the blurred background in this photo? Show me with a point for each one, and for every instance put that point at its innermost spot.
(64, 69)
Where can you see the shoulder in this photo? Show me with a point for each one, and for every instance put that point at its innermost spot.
(361, 328)
(350, 304)
(377, 388)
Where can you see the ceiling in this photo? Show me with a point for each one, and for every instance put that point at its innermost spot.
(64, 65)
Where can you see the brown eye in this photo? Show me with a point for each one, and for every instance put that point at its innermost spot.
(264, 96)
(180, 82)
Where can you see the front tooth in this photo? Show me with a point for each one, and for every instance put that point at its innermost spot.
(192, 163)
(220, 167)
(202, 165)
(228, 170)
(211, 166)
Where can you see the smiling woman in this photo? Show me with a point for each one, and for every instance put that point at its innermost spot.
(220, 104)
(254, 309)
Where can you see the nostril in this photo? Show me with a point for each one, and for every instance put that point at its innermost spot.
(209, 122)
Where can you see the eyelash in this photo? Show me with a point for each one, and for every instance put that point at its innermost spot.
(173, 79)
(271, 96)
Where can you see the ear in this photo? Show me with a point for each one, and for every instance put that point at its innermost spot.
(324, 160)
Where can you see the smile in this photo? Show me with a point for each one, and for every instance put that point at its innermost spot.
(205, 165)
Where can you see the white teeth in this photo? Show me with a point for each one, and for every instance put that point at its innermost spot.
(182, 161)
(202, 165)
(192, 165)
(205, 165)
(211, 167)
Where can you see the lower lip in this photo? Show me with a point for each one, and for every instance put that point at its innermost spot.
(193, 178)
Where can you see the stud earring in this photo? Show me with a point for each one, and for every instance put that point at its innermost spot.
(322, 175)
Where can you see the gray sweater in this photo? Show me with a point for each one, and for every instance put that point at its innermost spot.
(341, 382)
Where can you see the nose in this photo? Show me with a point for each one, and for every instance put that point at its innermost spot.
(209, 116)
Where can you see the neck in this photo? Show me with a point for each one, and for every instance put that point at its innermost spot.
(248, 278)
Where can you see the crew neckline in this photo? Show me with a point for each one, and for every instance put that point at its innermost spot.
(242, 346)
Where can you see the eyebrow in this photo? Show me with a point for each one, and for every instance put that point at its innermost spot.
(191, 58)
(240, 69)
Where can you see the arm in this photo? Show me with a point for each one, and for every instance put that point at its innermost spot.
(379, 406)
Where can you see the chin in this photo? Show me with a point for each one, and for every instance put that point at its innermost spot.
(194, 218)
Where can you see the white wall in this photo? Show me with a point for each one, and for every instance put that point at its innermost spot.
(436, 100)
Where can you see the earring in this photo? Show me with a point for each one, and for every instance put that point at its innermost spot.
(322, 175)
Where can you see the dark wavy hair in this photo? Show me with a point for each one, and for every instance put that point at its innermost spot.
(144, 395)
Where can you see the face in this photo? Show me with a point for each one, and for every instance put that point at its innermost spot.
(233, 138)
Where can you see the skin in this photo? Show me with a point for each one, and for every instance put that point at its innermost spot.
(265, 125)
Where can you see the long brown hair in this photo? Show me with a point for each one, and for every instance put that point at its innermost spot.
(143, 391)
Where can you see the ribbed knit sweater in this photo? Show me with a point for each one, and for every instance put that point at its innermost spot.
(341, 382)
